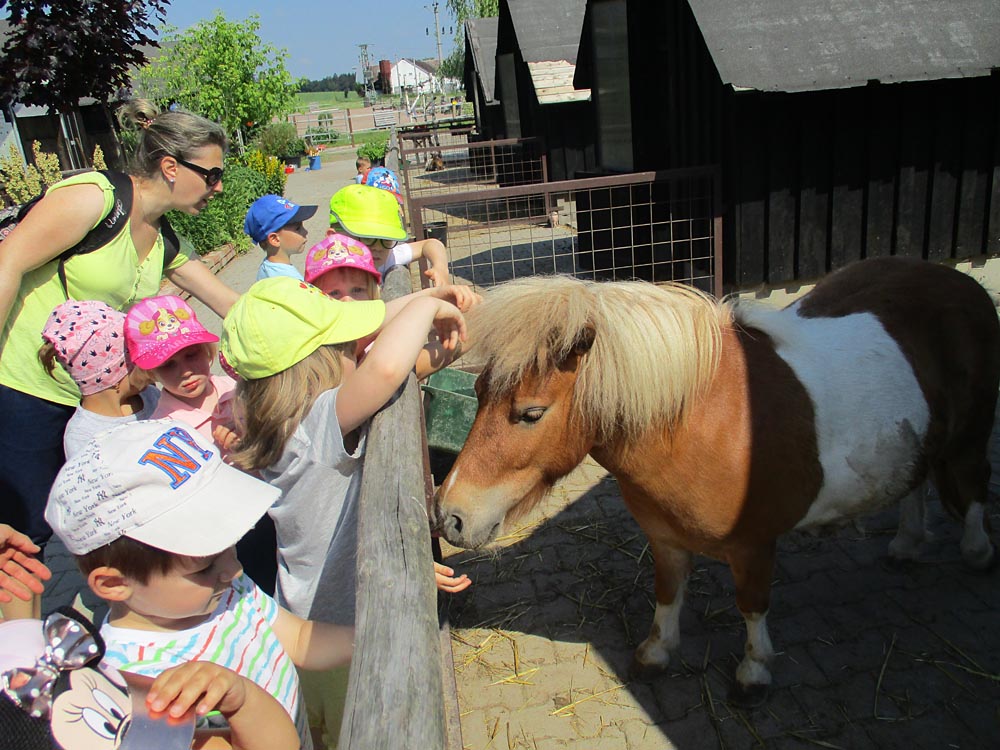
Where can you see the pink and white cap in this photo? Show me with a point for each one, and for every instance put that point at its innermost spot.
(339, 251)
(89, 340)
(156, 328)
(160, 482)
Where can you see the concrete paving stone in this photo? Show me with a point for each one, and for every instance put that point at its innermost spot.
(803, 625)
(693, 731)
(980, 724)
(795, 666)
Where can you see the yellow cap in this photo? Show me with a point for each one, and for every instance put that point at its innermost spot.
(280, 321)
(366, 211)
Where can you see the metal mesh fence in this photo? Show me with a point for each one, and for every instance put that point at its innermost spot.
(656, 226)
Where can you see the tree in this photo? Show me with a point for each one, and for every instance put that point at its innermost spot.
(223, 71)
(59, 52)
(453, 66)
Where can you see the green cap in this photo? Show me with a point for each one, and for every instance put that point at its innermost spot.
(280, 321)
(366, 211)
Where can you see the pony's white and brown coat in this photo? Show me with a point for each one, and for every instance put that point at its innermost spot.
(727, 426)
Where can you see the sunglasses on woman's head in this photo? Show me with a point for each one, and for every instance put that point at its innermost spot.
(212, 176)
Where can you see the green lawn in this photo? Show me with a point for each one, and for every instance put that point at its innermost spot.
(333, 100)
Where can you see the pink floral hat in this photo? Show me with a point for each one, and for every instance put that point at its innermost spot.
(339, 251)
(156, 328)
(89, 340)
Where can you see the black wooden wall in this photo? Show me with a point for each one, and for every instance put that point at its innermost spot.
(816, 180)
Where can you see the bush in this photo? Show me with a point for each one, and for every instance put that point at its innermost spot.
(375, 150)
(271, 168)
(22, 183)
(279, 139)
(221, 221)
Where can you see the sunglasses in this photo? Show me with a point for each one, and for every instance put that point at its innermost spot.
(371, 242)
(212, 176)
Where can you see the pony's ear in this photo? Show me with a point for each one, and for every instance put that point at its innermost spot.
(584, 340)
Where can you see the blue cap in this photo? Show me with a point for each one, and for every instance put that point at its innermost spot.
(272, 212)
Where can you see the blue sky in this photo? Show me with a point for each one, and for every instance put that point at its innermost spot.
(322, 38)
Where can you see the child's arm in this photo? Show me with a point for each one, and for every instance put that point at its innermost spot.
(256, 719)
(314, 645)
(434, 356)
(393, 356)
(437, 257)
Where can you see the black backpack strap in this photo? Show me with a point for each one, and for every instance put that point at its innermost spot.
(171, 245)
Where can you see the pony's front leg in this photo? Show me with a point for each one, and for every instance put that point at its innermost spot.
(752, 571)
(672, 566)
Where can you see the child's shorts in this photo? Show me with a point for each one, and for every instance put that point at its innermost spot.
(325, 694)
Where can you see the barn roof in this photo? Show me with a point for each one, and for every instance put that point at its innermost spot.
(800, 45)
(548, 38)
(482, 35)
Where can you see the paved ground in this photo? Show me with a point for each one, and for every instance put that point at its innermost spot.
(870, 656)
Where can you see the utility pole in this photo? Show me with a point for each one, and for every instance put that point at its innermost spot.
(437, 32)
(366, 76)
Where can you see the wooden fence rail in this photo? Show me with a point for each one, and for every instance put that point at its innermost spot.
(395, 696)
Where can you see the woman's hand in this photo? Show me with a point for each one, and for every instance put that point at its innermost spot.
(21, 575)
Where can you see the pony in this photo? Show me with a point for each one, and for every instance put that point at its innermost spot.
(728, 424)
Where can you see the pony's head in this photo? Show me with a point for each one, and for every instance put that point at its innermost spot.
(569, 365)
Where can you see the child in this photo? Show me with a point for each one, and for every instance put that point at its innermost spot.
(307, 403)
(275, 224)
(344, 269)
(151, 513)
(165, 337)
(88, 340)
(79, 702)
(363, 165)
(373, 216)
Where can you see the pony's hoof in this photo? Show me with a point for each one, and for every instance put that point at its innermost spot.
(747, 696)
(986, 564)
(645, 672)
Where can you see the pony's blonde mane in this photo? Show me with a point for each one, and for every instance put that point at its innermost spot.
(655, 347)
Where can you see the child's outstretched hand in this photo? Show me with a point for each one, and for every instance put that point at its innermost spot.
(438, 276)
(460, 295)
(21, 575)
(446, 579)
(201, 685)
(450, 325)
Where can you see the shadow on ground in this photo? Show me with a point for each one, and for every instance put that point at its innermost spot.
(869, 656)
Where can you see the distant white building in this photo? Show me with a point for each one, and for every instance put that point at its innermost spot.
(419, 77)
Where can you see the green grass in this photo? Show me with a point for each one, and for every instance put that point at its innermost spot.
(333, 100)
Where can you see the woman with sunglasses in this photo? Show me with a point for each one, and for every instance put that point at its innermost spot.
(177, 165)
(373, 215)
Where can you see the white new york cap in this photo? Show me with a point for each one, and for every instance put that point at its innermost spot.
(158, 482)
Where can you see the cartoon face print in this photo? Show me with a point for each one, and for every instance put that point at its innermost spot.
(93, 713)
(165, 323)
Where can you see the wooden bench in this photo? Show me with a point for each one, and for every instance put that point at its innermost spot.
(384, 118)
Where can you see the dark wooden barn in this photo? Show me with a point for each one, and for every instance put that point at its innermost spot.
(480, 75)
(841, 131)
(536, 53)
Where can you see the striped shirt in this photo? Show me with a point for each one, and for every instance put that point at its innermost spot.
(238, 635)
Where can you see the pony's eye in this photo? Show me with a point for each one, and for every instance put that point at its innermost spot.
(532, 415)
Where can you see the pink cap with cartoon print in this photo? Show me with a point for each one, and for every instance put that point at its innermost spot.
(156, 328)
(339, 251)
